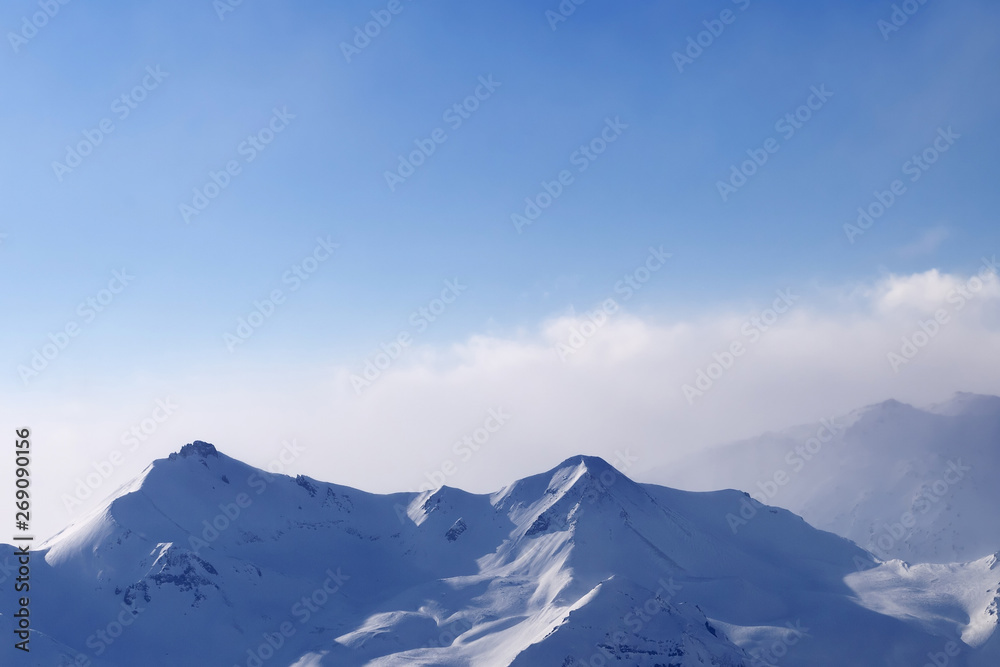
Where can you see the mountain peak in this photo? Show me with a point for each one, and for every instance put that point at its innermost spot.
(594, 464)
(577, 480)
(588, 474)
(198, 448)
(890, 404)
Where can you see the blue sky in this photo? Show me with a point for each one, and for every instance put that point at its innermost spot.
(323, 175)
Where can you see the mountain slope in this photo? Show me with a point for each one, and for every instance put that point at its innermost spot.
(203, 560)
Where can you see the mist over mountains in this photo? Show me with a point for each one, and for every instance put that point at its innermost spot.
(204, 560)
(918, 484)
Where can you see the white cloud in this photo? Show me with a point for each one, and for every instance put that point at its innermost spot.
(622, 389)
(922, 292)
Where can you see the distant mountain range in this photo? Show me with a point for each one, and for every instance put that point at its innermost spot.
(205, 561)
(921, 485)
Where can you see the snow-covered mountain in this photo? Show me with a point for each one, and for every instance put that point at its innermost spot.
(916, 484)
(205, 561)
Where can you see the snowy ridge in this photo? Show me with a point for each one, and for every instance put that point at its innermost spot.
(956, 597)
(204, 560)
